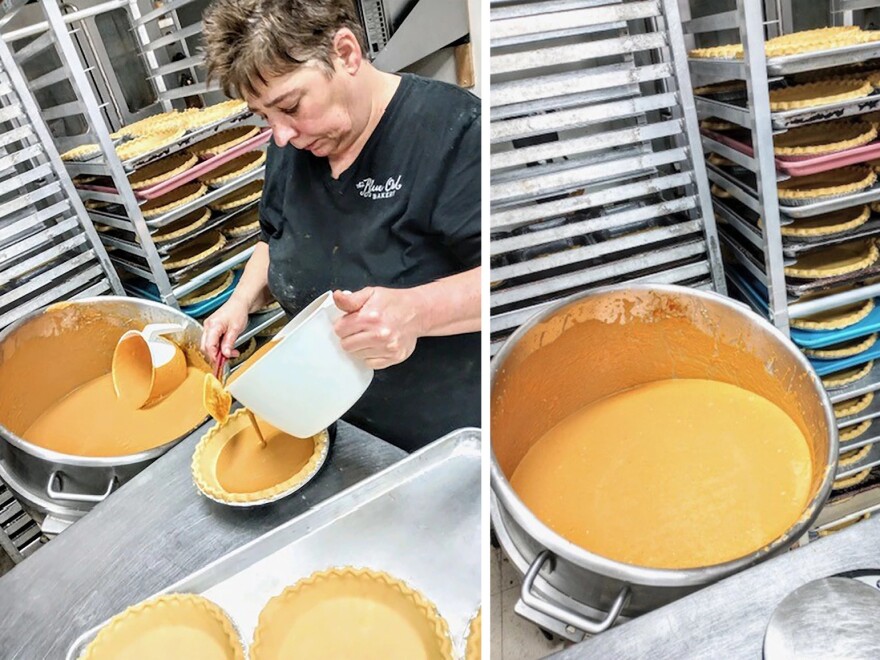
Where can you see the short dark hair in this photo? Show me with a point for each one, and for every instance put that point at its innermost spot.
(247, 40)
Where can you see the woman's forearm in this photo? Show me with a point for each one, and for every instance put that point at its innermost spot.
(253, 288)
(449, 306)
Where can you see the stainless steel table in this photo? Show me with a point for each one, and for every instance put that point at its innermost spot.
(728, 619)
(154, 531)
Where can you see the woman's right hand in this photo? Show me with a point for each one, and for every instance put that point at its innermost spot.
(223, 327)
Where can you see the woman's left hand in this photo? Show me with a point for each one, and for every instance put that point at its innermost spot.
(380, 325)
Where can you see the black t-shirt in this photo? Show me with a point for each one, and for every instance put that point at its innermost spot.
(405, 213)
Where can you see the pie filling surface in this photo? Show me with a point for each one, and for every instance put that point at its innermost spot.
(672, 474)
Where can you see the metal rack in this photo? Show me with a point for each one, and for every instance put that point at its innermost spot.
(596, 171)
(163, 41)
(758, 252)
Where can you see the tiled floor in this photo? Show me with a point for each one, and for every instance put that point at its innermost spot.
(513, 638)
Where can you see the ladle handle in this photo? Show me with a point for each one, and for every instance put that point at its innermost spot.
(562, 614)
(75, 497)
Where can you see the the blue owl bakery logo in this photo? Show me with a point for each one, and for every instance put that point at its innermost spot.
(370, 189)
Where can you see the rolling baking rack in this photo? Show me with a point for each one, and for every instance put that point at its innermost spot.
(166, 41)
(596, 171)
(757, 254)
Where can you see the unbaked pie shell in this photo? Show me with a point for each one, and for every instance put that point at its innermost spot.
(828, 224)
(847, 376)
(168, 610)
(822, 92)
(823, 138)
(208, 290)
(245, 353)
(849, 433)
(846, 349)
(162, 121)
(854, 456)
(207, 453)
(161, 170)
(197, 250)
(853, 406)
(244, 195)
(144, 144)
(419, 614)
(172, 200)
(223, 141)
(235, 168)
(854, 480)
(183, 226)
(827, 184)
(836, 319)
(834, 260)
(805, 41)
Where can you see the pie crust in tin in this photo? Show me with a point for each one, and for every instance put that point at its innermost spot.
(828, 224)
(223, 141)
(196, 250)
(184, 225)
(841, 181)
(208, 290)
(235, 168)
(854, 480)
(834, 260)
(853, 406)
(808, 95)
(845, 349)
(836, 319)
(856, 430)
(847, 376)
(854, 456)
(161, 170)
(244, 195)
(824, 138)
(172, 200)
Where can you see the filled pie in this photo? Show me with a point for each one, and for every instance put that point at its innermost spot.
(230, 465)
(244, 224)
(194, 251)
(853, 406)
(172, 200)
(168, 626)
(835, 319)
(244, 195)
(828, 224)
(823, 138)
(827, 184)
(845, 349)
(850, 433)
(183, 226)
(161, 170)
(847, 376)
(351, 613)
(223, 141)
(208, 290)
(238, 166)
(821, 92)
(849, 482)
(834, 260)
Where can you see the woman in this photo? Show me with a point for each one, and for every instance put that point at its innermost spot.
(372, 190)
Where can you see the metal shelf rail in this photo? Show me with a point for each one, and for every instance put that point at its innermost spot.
(49, 249)
(164, 41)
(597, 173)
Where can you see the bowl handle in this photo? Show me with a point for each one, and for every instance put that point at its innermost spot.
(74, 497)
(562, 614)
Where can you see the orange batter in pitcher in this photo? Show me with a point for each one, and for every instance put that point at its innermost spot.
(91, 421)
(671, 474)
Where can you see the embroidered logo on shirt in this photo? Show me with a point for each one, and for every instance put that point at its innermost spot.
(372, 190)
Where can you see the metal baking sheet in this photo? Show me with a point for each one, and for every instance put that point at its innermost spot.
(418, 520)
(848, 108)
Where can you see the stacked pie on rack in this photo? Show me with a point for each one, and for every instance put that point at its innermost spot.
(842, 181)
(210, 289)
(244, 195)
(244, 224)
(168, 626)
(850, 433)
(806, 41)
(834, 260)
(172, 200)
(844, 349)
(223, 141)
(850, 482)
(824, 138)
(196, 118)
(822, 92)
(351, 613)
(847, 376)
(161, 170)
(81, 153)
(234, 169)
(849, 458)
(852, 407)
(827, 224)
(183, 226)
(196, 250)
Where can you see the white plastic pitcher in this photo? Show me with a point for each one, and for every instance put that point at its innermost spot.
(308, 380)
